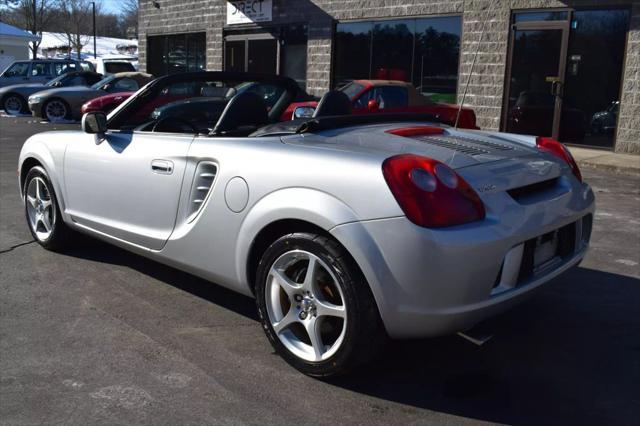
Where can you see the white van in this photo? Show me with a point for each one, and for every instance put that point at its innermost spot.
(108, 65)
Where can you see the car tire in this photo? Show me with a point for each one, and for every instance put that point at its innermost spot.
(55, 110)
(335, 303)
(43, 212)
(14, 104)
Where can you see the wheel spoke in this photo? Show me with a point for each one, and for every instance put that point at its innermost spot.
(313, 330)
(327, 309)
(286, 321)
(38, 196)
(31, 200)
(310, 276)
(284, 282)
(45, 222)
(46, 204)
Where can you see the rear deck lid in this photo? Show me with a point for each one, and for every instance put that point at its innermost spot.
(456, 148)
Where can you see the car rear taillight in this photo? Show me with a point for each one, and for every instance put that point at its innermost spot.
(430, 193)
(554, 147)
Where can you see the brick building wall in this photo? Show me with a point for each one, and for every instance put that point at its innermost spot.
(485, 92)
(628, 137)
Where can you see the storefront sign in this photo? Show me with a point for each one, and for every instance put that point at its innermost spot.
(247, 11)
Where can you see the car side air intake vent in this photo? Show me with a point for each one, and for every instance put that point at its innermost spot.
(202, 183)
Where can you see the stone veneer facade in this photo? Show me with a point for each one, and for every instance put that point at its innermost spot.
(486, 87)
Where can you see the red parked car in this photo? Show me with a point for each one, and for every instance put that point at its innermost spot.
(371, 96)
(106, 103)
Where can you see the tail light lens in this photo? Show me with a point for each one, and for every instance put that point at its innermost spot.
(430, 193)
(554, 147)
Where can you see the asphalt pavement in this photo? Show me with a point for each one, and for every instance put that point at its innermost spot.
(97, 335)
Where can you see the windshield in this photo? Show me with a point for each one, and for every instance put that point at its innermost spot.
(116, 67)
(352, 89)
(195, 104)
(102, 82)
(53, 82)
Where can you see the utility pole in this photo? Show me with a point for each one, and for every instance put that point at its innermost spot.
(34, 16)
(95, 54)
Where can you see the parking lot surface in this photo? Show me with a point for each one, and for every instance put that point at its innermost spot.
(97, 335)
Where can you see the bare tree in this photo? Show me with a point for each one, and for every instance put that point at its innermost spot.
(77, 22)
(129, 17)
(32, 15)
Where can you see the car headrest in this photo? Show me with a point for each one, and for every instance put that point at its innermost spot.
(245, 111)
(333, 103)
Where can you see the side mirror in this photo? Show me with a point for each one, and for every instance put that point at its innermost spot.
(303, 112)
(373, 106)
(94, 123)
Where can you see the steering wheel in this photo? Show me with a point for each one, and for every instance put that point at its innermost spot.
(173, 125)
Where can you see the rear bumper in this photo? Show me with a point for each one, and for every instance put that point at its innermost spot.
(431, 282)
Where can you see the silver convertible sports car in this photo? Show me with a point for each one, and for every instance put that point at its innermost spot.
(346, 229)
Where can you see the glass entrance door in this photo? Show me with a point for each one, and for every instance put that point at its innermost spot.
(263, 56)
(280, 50)
(234, 55)
(595, 61)
(536, 79)
(255, 53)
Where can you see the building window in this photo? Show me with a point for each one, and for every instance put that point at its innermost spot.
(423, 51)
(565, 74)
(176, 53)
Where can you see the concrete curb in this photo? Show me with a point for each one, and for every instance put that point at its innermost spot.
(604, 160)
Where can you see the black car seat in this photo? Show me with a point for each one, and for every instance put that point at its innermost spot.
(333, 103)
(243, 114)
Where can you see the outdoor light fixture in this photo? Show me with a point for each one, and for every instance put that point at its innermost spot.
(156, 5)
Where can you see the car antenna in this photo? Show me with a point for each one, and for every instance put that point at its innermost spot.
(473, 63)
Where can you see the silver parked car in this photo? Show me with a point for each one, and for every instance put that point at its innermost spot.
(14, 98)
(65, 103)
(345, 228)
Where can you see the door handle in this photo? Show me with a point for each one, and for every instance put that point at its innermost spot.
(556, 88)
(163, 167)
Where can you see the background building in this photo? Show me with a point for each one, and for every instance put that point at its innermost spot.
(14, 44)
(563, 68)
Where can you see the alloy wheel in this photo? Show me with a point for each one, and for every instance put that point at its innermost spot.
(13, 105)
(306, 306)
(55, 110)
(40, 209)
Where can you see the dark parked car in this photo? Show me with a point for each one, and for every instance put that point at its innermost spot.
(604, 122)
(534, 111)
(40, 70)
(14, 98)
(208, 102)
